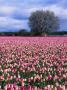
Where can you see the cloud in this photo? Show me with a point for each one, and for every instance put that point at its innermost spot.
(14, 13)
(19, 14)
(6, 10)
(24, 13)
(9, 23)
(54, 8)
(58, 10)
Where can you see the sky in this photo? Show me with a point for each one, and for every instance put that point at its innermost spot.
(14, 14)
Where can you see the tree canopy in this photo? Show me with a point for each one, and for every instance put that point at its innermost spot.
(43, 22)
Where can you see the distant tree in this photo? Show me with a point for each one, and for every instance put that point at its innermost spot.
(23, 32)
(2, 33)
(43, 22)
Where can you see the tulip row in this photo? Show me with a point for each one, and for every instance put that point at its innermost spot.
(39, 62)
(49, 87)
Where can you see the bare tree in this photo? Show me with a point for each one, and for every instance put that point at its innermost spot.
(42, 22)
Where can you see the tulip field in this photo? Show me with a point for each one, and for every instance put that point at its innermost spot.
(33, 63)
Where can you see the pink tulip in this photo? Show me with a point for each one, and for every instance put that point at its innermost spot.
(22, 88)
(24, 55)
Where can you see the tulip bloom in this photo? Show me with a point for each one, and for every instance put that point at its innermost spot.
(28, 62)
